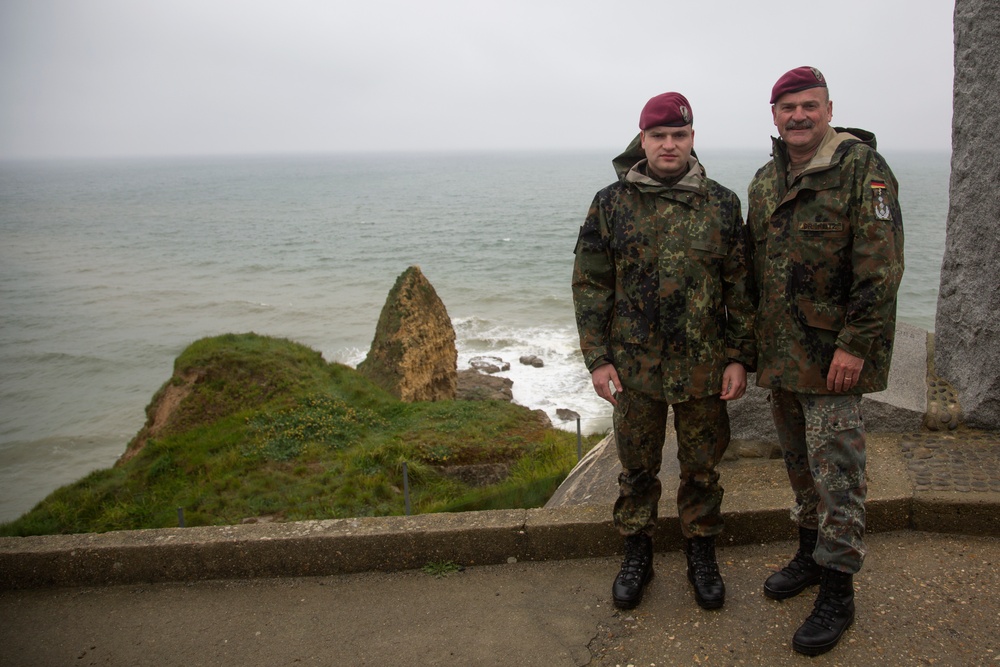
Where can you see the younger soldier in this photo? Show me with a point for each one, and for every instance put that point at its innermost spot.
(665, 318)
(827, 242)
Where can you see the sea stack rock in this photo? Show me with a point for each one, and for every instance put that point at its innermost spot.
(413, 354)
(967, 327)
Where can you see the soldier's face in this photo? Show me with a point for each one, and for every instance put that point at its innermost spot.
(668, 149)
(803, 118)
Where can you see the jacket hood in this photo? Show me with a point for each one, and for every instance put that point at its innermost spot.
(864, 136)
(630, 157)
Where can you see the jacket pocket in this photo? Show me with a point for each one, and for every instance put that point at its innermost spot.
(707, 249)
(823, 244)
(844, 418)
(820, 315)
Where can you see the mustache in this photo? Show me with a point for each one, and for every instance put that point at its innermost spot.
(799, 125)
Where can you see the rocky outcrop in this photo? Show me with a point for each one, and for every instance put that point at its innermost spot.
(967, 331)
(413, 353)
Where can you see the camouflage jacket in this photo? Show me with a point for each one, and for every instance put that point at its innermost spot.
(827, 257)
(660, 282)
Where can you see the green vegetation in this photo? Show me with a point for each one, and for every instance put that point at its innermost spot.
(442, 568)
(265, 427)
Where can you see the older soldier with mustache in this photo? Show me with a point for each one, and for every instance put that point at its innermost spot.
(827, 247)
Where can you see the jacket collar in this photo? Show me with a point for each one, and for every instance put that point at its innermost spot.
(692, 181)
(830, 152)
(630, 168)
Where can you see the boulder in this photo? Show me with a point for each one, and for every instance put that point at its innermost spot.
(532, 360)
(489, 364)
(413, 353)
(476, 386)
(567, 415)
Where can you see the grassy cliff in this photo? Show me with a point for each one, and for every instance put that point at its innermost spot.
(257, 428)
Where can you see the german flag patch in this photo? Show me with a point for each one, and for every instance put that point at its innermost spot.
(880, 208)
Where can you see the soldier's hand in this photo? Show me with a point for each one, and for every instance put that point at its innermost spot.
(734, 382)
(845, 370)
(604, 377)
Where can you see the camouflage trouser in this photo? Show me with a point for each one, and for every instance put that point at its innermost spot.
(702, 426)
(823, 441)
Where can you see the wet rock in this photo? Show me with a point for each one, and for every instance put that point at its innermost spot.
(476, 386)
(489, 364)
(532, 360)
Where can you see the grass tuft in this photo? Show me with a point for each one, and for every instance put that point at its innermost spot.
(442, 568)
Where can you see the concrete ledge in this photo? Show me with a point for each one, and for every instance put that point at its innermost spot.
(342, 546)
(305, 548)
(957, 512)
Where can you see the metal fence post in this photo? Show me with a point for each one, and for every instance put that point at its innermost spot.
(406, 488)
(579, 441)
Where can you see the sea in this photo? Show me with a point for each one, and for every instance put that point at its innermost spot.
(110, 268)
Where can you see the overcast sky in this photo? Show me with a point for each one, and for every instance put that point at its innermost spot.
(188, 77)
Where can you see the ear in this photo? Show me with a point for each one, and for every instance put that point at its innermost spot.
(774, 114)
(642, 139)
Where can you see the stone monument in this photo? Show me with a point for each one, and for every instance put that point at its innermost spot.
(967, 328)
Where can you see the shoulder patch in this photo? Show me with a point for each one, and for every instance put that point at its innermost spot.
(879, 206)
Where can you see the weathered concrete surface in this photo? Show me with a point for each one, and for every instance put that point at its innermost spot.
(922, 599)
(967, 328)
(301, 548)
(901, 407)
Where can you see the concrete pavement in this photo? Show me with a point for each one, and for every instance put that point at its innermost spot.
(536, 585)
(923, 599)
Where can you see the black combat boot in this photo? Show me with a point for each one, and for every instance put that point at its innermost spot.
(832, 614)
(703, 573)
(637, 570)
(800, 572)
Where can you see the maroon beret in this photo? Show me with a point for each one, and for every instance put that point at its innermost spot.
(669, 109)
(800, 78)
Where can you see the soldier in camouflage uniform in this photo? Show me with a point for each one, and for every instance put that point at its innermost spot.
(827, 253)
(665, 318)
